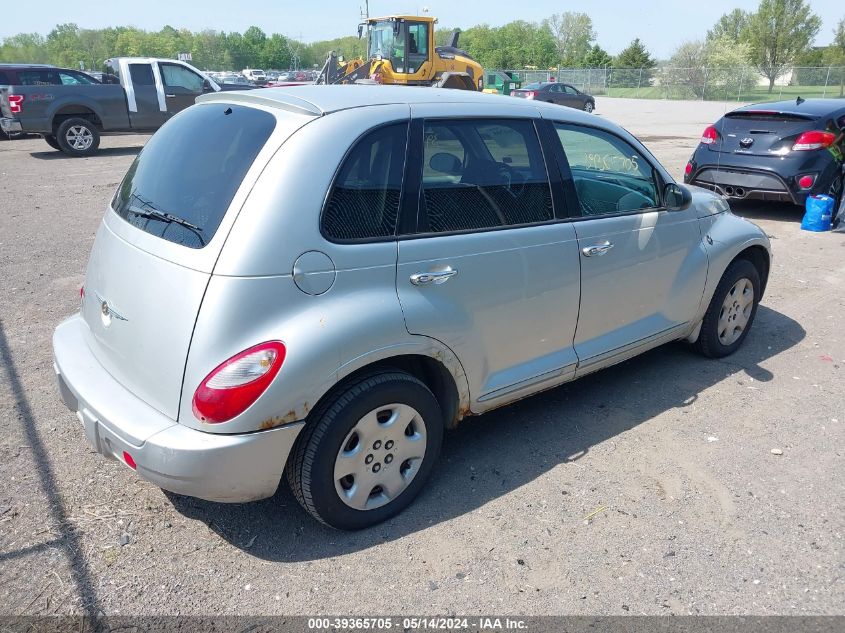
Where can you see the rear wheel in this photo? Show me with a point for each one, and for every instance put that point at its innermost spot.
(51, 141)
(731, 311)
(78, 137)
(368, 452)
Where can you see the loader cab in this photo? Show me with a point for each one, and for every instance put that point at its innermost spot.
(404, 42)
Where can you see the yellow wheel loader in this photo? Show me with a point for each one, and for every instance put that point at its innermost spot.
(401, 51)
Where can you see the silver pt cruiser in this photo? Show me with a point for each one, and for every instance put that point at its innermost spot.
(320, 281)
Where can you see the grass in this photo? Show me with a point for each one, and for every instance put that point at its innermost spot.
(727, 93)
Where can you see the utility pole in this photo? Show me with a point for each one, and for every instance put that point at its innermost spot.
(366, 10)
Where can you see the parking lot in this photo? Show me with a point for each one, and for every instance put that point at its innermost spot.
(651, 487)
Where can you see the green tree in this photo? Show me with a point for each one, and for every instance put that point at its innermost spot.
(25, 47)
(732, 25)
(636, 64)
(573, 34)
(779, 32)
(597, 57)
(64, 46)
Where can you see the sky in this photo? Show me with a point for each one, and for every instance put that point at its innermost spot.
(660, 24)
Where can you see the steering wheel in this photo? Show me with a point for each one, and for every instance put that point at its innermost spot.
(513, 181)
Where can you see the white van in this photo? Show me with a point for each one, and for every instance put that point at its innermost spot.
(255, 75)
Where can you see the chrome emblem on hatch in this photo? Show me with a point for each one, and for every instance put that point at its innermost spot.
(746, 142)
(107, 313)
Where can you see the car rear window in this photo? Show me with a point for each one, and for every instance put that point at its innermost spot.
(4, 79)
(183, 181)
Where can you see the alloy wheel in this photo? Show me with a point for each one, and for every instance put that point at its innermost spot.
(79, 137)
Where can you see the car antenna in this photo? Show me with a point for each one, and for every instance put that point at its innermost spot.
(799, 101)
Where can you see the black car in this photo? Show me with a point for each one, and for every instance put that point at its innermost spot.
(781, 151)
(555, 92)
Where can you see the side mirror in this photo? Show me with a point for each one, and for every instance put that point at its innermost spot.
(206, 86)
(360, 30)
(676, 197)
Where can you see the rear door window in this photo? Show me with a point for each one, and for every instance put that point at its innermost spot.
(74, 79)
(364, 201)
(4, 79)
(141, 74)
(183, 181)
(480, 174)
(36, 78)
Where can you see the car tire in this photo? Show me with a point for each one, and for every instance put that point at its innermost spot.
(78, 137)
(52, 141)
(362, 428)
(589, 106)
(731, 311)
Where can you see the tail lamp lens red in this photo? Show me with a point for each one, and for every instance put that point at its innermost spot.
(710, 135)
(129, 461)
(688, 169)
(15, 103)
(236, 384)
(805, 182)
(813, 140)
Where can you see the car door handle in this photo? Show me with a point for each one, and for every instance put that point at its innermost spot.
(170, 96)
(439, 277)
(597, 250)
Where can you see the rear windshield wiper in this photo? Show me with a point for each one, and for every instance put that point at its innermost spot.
(150, 212)
(164, 217)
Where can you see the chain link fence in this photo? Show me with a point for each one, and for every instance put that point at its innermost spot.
(742, 83)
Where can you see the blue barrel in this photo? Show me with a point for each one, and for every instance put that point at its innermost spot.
(817, 214)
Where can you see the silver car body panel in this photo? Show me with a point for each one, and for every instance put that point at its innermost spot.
(226, 468)
(506, 326)
(618, 310)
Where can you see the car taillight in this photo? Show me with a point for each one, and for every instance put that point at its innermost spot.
(805, 182)
(813, 140)
(710, 135)
(688, 169)
(233, 386)
(15, 103)
(530, 94)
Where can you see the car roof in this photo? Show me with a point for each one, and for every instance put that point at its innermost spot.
(811, 107)
(8, 65)
(319, 100)
(323, 100)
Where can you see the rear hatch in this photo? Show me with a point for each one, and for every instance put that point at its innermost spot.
(155, 251)
(760, 132)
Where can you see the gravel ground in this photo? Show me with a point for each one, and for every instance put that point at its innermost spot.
(649, 488)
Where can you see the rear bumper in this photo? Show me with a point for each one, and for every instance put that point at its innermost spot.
(215, 467)
(746, 184)
(10, 126)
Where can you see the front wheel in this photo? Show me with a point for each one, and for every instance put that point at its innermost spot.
(78, 137)
(589, 107)
(731, 311)
(368, 452)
